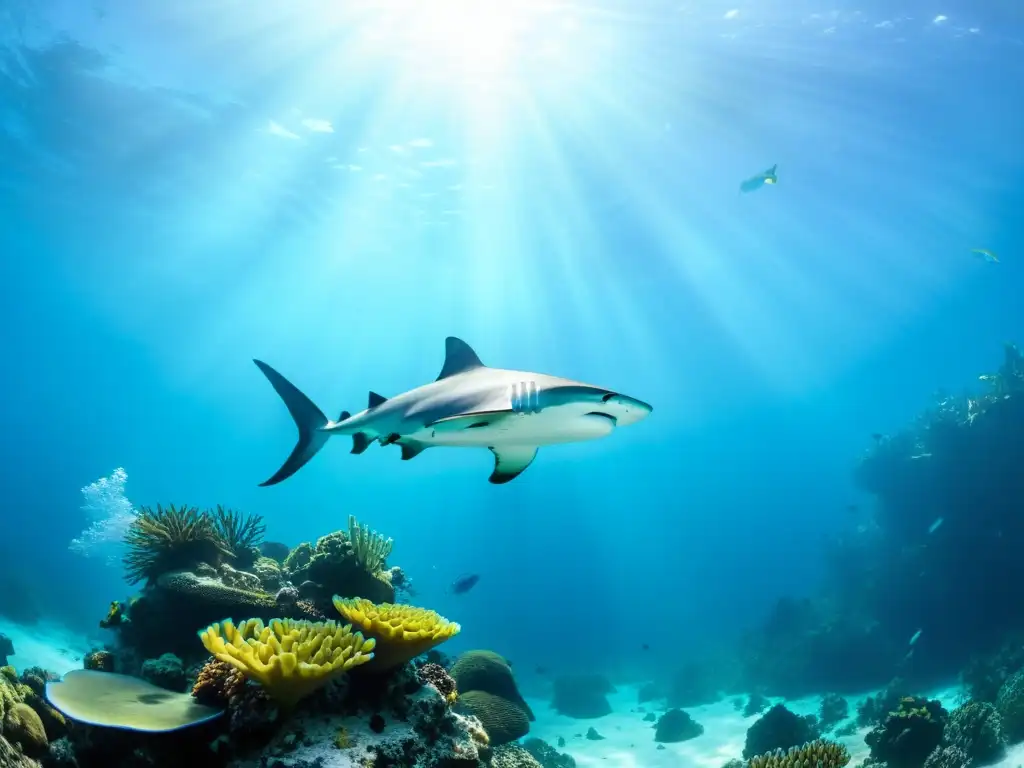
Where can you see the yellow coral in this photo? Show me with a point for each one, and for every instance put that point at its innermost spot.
(290, 659)
(402, 632)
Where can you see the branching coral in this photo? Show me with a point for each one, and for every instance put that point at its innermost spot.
(163, 540)
(402, 632)
(819, 753)
(370, 548)
(290, 659)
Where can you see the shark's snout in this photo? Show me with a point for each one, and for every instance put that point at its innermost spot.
(624, 409)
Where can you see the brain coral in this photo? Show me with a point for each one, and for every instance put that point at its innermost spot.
(503, 720)
(487, 671)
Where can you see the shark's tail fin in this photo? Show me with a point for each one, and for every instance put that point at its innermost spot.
(308, 418)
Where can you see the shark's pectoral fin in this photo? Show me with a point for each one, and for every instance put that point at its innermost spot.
(459, 357)
(360, 442)
(509, 462)
(411, 450)
(469, 420)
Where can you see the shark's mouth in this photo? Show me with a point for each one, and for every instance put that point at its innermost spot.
(608, 416)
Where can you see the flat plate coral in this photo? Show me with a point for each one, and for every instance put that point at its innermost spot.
(120, 701)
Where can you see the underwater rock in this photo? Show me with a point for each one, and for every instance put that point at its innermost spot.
(548, 756)
(241, 579)
(513, 756)
(100, 661)
(167, 672)
(6, 649)
(676, 725)
(429, 734)
(833, 710)
(976, 729)
(908, 735)
(437, 676)
(593, 735)
(779, 728)
(692, 686)
(650, 717)
(649, 692)
(756, 704)
(874, 709)
(582, 696)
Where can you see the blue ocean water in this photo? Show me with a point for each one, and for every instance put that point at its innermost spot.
(187, 187)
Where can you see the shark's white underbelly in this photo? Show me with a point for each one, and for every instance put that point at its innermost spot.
(551, 426)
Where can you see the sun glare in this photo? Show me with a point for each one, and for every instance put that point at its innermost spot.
(466, 40)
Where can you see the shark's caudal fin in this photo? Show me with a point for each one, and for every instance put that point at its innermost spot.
(308, 418)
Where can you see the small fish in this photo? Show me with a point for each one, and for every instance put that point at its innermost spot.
(914, 638)
(985, 255)
(877, 436)
(935, 526)
(645, 647)
(754, 183)
(464, 583)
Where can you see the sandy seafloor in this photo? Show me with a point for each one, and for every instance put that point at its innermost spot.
(628, 741)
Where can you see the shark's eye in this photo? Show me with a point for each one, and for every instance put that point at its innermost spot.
(607, 397)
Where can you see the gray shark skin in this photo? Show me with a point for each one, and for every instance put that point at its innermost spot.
(512, 413)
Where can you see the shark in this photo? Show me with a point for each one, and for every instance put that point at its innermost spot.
(469, 405)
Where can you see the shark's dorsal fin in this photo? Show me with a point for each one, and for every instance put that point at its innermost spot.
(459, 357)
(509, 462)
(376, 400)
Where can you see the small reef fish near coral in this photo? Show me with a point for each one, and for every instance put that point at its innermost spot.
(512, 413)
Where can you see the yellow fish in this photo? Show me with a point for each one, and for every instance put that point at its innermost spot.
(985, 255)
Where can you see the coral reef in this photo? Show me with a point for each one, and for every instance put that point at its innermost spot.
(165, 672)
(333, 567)
(369, 548)
(976, 729)
(437, 676)
(163, 540)
(503, 721)
(290, 659)
(834, 709)
(778, 729)
(819, 753)
(948, 757)
(546, 755)
(676, 725)
(909, 734)
(401, 632)
(582, 696)
(6, 649)
(513, 756)
(489, 672)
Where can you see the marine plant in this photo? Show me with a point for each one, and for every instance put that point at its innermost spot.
(163, 540)
(241, 532)
(290, 659)
(369, 548)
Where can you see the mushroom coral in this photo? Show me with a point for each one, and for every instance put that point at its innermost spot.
(290, 659)
(402, 632)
